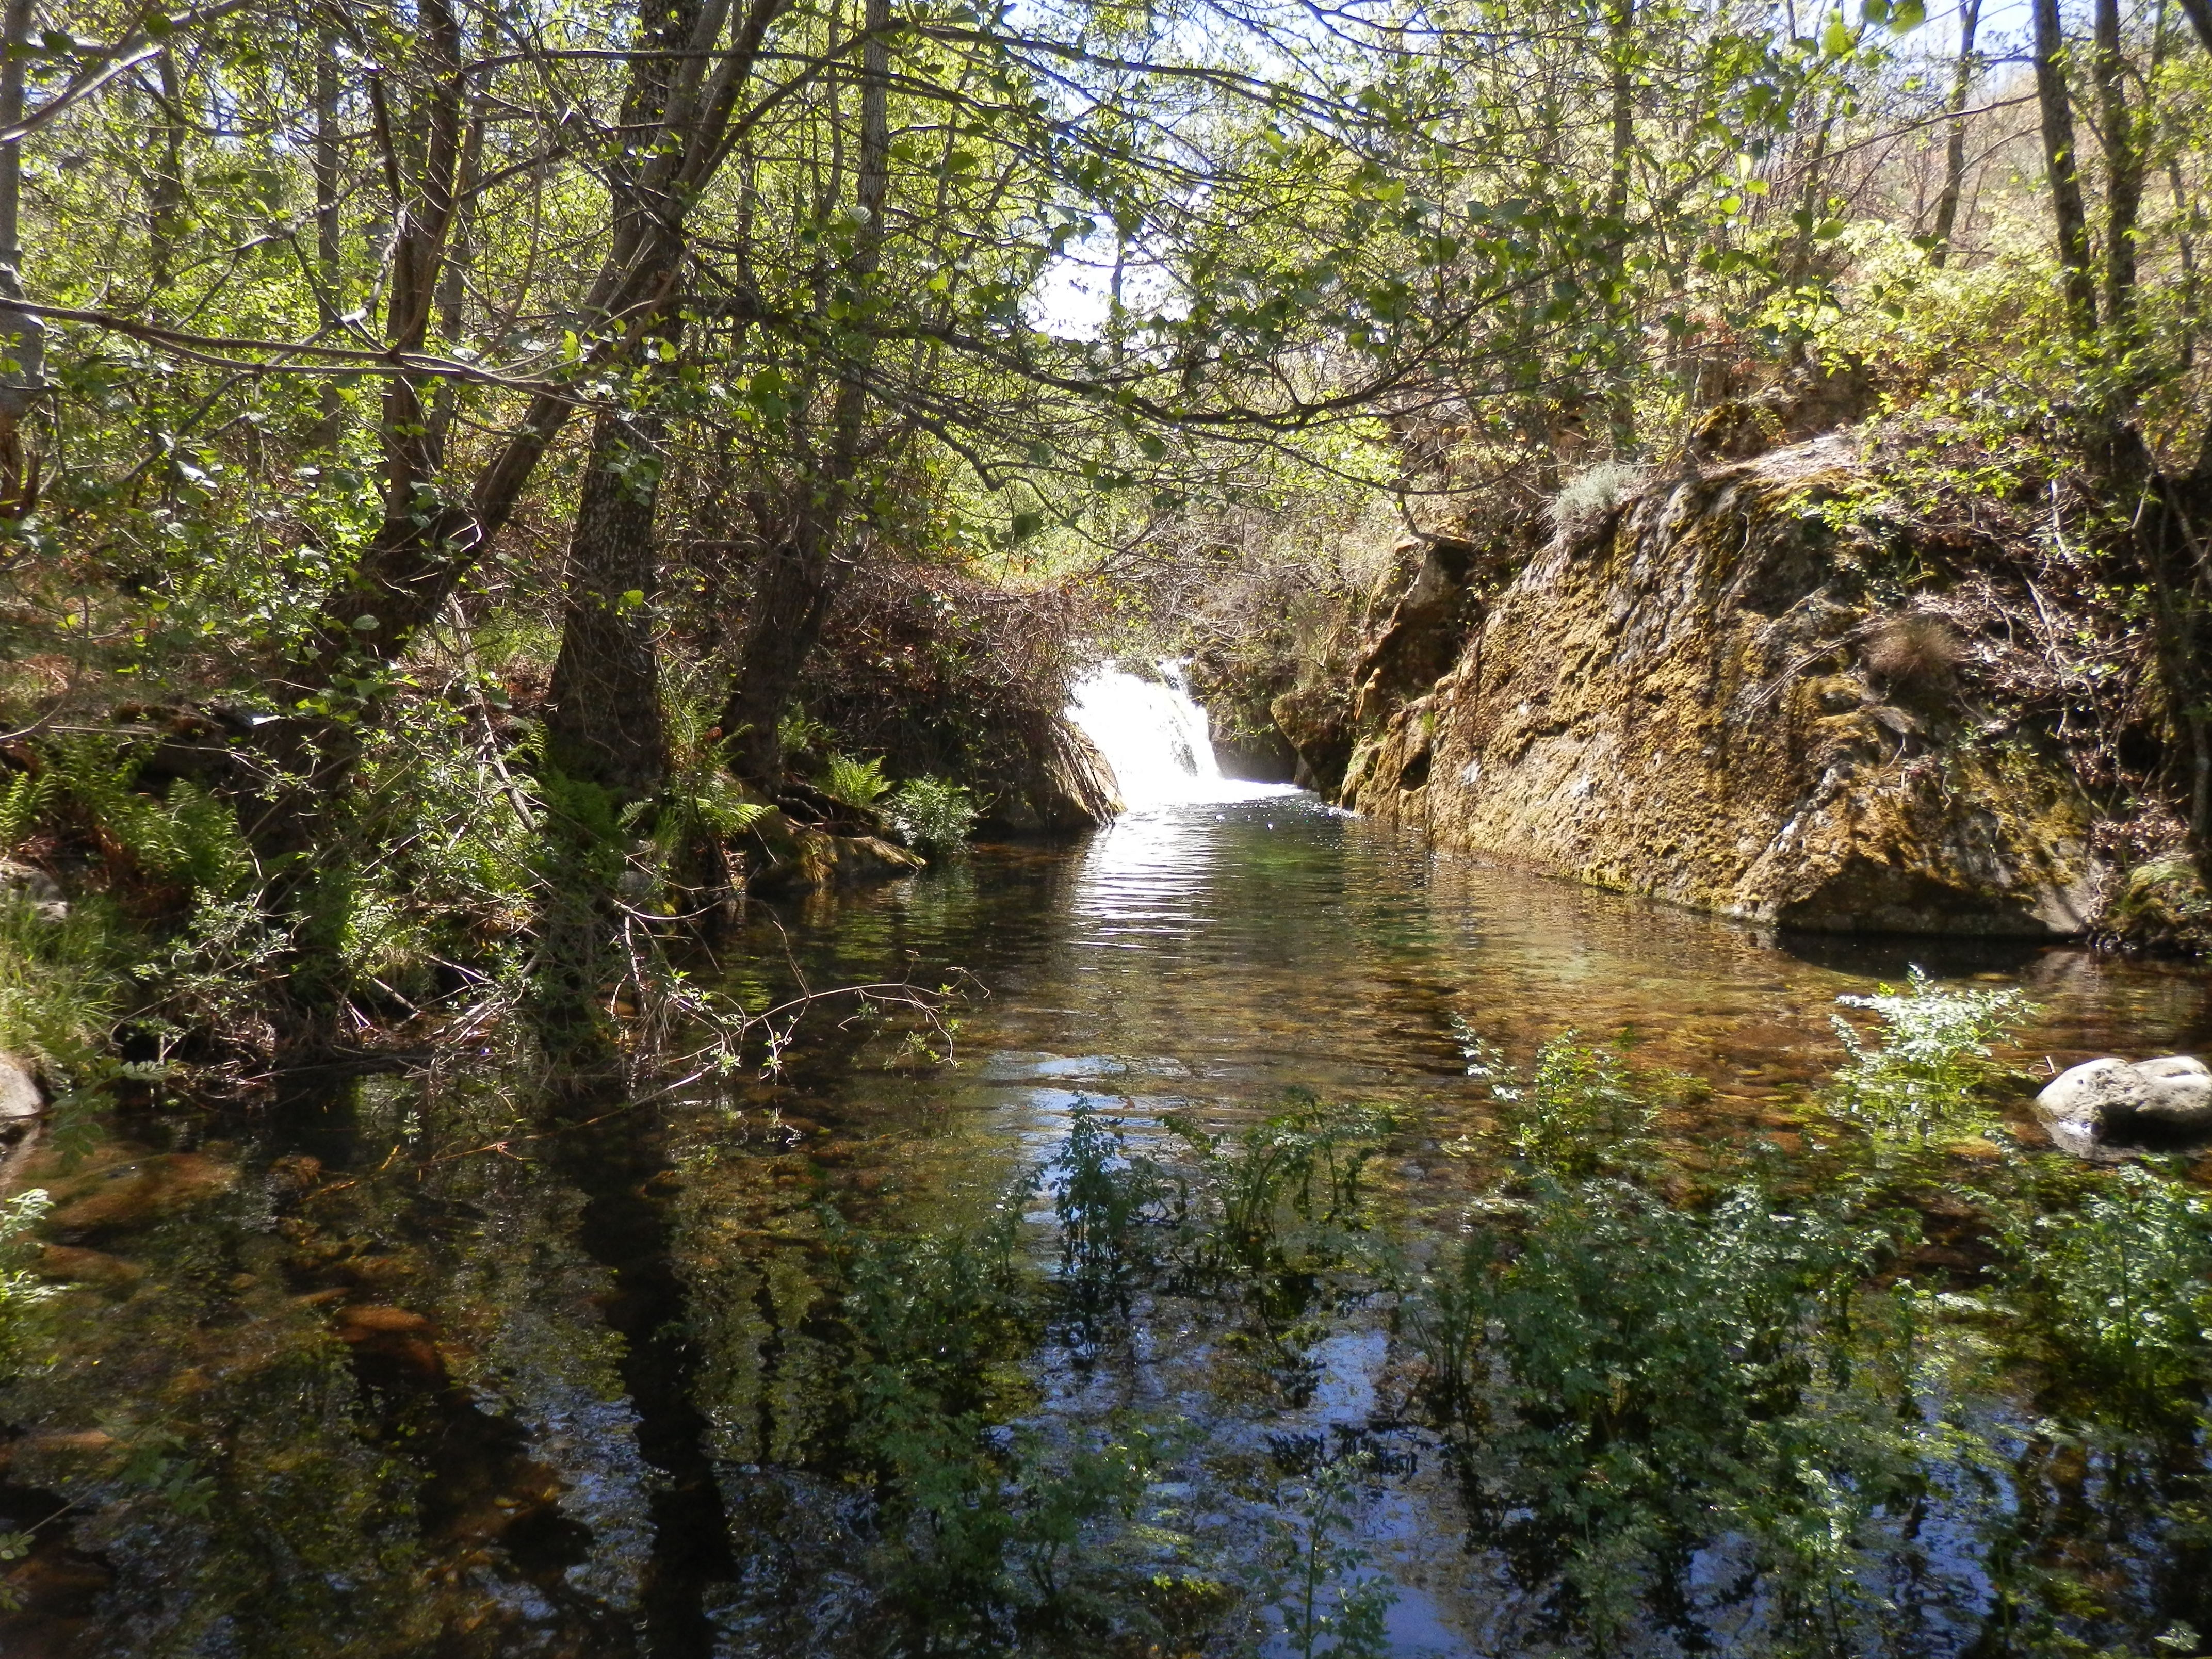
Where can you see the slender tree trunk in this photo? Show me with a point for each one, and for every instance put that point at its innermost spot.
(2185, 243)
(1955, 150)
(2200, 17)
(2124, 171)
(23, 335)
(2060, 167)
(604, 724)
(461, 252)
(165, 191)
(799, 580)
(329, 270)
(1621, 403)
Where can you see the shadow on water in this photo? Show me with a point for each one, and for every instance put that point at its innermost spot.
(336, 1379)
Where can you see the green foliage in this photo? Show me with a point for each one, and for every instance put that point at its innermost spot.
(19, 1292)
(1631, 1383)
(1323, 1586)
(1282, 1196)
(1918, 1079)
(856, 783)
(2123, 1284)
(932, 814)
(1580, 1112)
(702, 804)
(1108, 1204)
(61, 989)
(85, 792)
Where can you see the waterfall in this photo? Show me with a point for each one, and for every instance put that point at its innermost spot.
(1153, 734)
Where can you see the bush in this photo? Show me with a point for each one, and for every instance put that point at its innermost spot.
(1591, 495)
(1639, 1382)
(932, 814)
(1919, 1078)
(1578, 1114)
(2122, 1282)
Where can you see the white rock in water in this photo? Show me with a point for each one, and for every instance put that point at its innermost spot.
(2102, 1100)
(19, 1091)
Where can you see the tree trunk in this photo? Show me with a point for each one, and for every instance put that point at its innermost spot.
(2124, 171)
(602, 724)
(2200, 15)
(1955, 152)
(330, 271)
(1621, 403)
(23, 335)
(800, 578)
(165, 191)
(2060, 165)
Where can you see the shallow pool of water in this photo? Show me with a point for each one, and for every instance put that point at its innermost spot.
(384, 1369)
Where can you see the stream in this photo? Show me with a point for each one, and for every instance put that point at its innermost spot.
(368, 1372)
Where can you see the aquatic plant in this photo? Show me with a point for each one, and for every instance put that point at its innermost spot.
(1634, 1382)
(1286, 1193)
(932, 814)
(1918, 1077)
(1579, 1112)
(1323, 1585)
(1110, 1207)
(2122, 1287)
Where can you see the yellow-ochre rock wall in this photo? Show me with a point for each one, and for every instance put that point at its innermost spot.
(1705, 701)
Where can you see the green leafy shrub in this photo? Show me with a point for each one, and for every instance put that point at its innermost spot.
(934, 816)
(858, 783)
(1581, 1111)
(1323, 1583)
(1107, 1203)
(1281, 1197)
(2124, 1283)
(1918, 1079)
(1635, 1382)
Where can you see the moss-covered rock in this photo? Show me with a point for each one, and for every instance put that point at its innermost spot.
(1683, 706)
(2160, 909)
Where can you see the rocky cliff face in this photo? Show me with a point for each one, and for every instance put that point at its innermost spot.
(1730, 695)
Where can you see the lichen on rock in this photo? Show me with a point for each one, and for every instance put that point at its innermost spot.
(1710, 702)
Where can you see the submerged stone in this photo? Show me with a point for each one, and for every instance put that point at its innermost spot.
(137, 1193)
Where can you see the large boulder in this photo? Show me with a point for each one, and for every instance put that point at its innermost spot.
(1718, 699)
(2162, 1104)
(1060, 785)
(784, 856)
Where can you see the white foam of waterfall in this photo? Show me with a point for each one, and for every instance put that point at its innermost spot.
(1153, 734)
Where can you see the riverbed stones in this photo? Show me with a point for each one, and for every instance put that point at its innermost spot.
(2158, 1104)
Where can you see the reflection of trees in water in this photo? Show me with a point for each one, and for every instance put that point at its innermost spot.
(329, 1416)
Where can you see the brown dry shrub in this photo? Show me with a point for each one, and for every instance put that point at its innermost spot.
(1913, 650)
